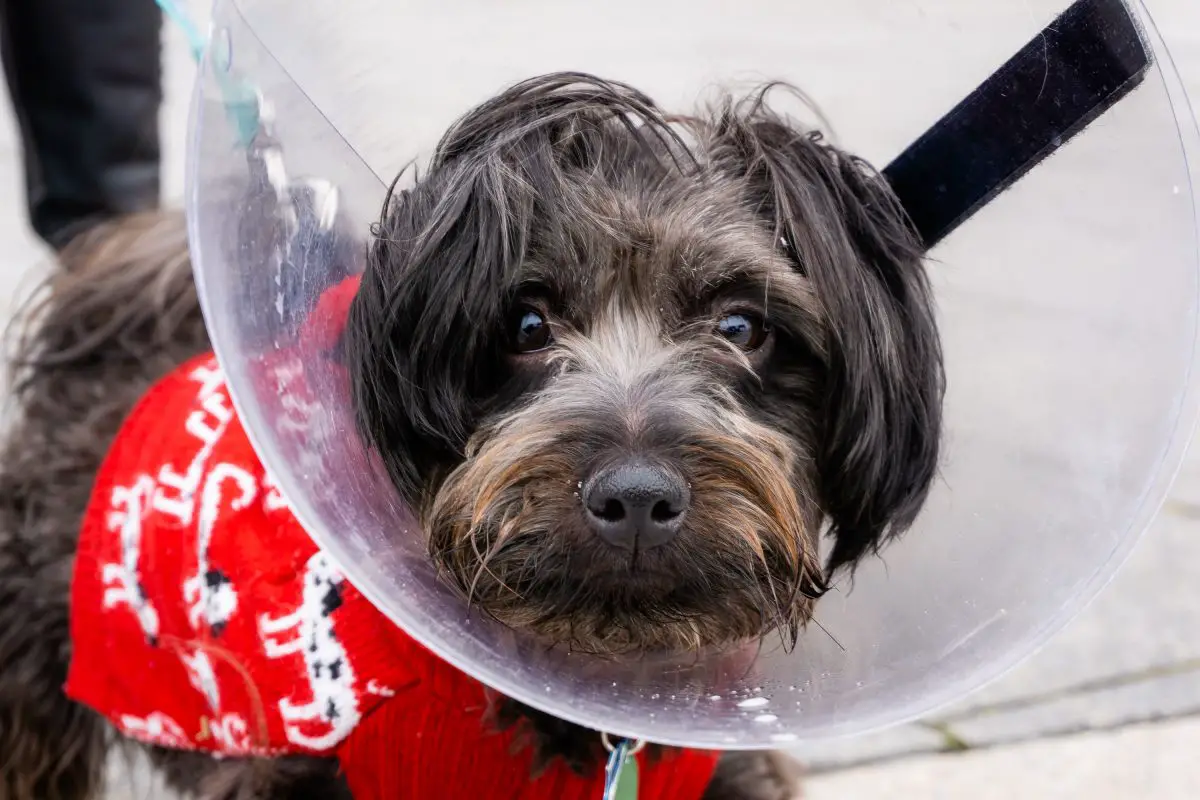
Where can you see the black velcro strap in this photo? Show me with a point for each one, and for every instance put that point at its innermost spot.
(1068, 75)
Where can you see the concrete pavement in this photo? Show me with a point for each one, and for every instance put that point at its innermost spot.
(1134, 763)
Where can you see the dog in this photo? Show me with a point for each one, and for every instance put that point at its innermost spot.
(627, 367)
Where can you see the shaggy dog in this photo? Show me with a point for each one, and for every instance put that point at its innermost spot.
(627, 367)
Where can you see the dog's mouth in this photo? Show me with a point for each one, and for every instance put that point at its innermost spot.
(575, 574)
(638, 581)
(568, 586)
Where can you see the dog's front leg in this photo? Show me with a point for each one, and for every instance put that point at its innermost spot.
(755, 775)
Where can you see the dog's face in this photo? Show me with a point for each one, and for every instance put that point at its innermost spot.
(628, 370)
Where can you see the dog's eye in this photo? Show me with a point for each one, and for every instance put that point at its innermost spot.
(747, 331)
(531, 332)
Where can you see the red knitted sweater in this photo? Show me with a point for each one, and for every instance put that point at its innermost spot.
(205, 618)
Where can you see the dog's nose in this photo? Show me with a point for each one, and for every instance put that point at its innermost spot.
(636, 505)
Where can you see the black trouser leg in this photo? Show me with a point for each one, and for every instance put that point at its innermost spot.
(86, 82)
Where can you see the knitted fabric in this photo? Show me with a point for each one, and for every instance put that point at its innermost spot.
(203, 617)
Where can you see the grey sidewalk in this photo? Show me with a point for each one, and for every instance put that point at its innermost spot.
(1135, 763)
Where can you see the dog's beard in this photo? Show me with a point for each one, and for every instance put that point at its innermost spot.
(508, 526)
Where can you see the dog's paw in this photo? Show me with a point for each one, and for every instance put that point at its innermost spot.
(756, 776)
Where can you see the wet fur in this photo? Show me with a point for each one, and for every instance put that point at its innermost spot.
(851, 452)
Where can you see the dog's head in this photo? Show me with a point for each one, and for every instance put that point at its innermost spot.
(628, 368)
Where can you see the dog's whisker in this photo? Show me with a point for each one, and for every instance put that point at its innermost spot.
(825, 630)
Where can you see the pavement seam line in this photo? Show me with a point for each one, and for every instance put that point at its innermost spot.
(872, 761)
(1117, 681)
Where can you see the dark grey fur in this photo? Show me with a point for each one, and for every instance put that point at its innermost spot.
(630, 234)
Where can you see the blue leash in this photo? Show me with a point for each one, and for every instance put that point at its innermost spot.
(621, 771)
(241, 101)
(177, 15)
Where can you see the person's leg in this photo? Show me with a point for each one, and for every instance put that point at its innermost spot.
(86, 81)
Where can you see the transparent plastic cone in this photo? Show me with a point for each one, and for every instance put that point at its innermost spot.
(1068, 309)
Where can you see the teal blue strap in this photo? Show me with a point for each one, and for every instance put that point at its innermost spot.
(177, 15)
(621, 771)
(241, 101)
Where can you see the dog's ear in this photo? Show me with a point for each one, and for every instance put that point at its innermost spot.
(427, 330)
(882, 399)
(432, 293)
